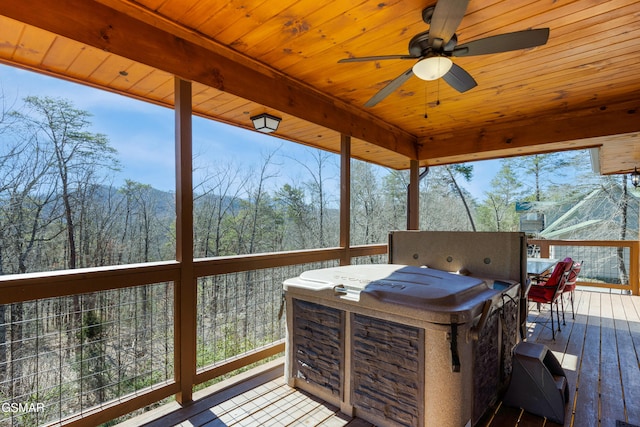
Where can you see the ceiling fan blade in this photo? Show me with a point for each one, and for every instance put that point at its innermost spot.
(376, 58)
(459, 79)
(504, 43)
(388, 89)
(446, 18)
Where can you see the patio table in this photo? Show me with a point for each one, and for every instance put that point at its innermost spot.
(537, 267)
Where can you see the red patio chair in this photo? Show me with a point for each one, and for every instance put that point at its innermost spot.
(570, 285)
(550, 290)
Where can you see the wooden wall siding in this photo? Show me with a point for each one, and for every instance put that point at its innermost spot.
(281, 56)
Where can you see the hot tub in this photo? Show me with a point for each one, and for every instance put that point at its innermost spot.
(401, 345)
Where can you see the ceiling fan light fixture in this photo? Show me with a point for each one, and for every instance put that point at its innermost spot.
(432, 68)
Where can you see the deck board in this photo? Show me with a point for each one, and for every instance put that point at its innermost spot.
(569, 356)
(610, 385)
(587, 386)
(627, 323)
(599, 351)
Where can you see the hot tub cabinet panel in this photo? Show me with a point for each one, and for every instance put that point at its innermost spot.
(386, 368)
(318, 345)
(405, 346)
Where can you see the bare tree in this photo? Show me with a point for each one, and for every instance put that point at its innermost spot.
(216, 196)
(444, 204)
(27, 209)
(466, 172)
(367, 216)
(29, 203)
(319, 173)
(394, 192)
(141, 221)
(61, 128)
(297, 213)
(73, 154)
(257, 193)
(624, 223)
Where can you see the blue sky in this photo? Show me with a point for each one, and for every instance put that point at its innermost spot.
(483, 172)
(143, 131)
(143, 134)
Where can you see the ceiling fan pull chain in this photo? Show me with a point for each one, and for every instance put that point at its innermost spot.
(426, 100)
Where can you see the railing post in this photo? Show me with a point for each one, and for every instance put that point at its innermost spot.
(544, 249)
(185, 290)
(634, 267)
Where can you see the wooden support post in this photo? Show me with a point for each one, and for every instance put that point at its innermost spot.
(634, 268)
(544, 249)
(634, 277)
(413, 205)
(345, 199)
(185, 289)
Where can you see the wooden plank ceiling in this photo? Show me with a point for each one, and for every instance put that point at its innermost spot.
(579, 90)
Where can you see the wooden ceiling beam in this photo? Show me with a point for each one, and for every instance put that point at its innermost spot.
(97, 25)
(529, 136)
(620, 155)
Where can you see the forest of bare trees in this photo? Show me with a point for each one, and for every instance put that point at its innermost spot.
(59, 209)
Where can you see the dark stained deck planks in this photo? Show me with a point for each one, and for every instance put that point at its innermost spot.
(598, 350)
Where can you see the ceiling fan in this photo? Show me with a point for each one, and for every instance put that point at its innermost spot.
(434, 48)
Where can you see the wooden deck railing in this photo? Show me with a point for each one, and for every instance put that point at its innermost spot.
(47, 285)
(612, 264)
(40, 286)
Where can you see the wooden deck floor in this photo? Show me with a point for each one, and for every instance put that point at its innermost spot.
(598, 350)
(599, 353)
